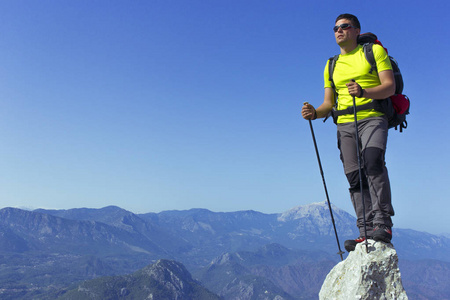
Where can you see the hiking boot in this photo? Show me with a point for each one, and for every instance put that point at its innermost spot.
(350, 245)
(382, 233)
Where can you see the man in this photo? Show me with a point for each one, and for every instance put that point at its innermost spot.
(351, 78)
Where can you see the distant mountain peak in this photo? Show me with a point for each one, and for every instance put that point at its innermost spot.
(165, 279)
(224, 259)
(316, 209)
(165, 268)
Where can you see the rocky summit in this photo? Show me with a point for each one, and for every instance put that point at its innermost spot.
(366, 275)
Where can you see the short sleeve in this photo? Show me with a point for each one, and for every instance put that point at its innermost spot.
(326, 77)
(381, 58)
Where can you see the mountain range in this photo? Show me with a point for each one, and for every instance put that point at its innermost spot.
(234, 254)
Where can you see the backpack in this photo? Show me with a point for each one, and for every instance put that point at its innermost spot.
(395, 107)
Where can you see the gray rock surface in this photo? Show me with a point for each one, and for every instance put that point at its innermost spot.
(362, 275)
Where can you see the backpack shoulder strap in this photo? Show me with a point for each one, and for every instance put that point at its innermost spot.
(368, 52)
(331, 67)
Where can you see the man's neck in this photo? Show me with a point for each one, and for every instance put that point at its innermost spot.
(347, 48)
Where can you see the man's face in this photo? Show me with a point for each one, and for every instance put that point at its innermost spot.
(345, 36)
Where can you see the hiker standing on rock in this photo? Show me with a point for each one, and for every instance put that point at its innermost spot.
(352, 80)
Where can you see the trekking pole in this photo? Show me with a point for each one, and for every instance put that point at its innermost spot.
(325, 186)
(360, 172)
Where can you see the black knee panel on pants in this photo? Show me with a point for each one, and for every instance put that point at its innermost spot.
(353, 180)
(373, 160)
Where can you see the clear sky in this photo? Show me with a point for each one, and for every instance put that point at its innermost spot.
(176, 104)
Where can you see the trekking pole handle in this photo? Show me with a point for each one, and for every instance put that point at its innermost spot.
(361, 90)
(307, 103)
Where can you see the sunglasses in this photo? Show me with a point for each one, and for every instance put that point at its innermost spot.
(344, 26)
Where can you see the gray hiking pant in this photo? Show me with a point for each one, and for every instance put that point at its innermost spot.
(373, 133)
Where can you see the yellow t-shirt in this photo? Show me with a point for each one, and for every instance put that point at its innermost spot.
(354, 65)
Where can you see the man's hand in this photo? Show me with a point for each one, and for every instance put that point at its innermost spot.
(354, 89)
(308, 111)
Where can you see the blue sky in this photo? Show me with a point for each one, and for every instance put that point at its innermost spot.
(161, 105)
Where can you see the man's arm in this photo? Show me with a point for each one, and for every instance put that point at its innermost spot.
(382, 91)
(308, 111)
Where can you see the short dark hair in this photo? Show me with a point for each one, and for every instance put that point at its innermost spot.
(352, 18)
